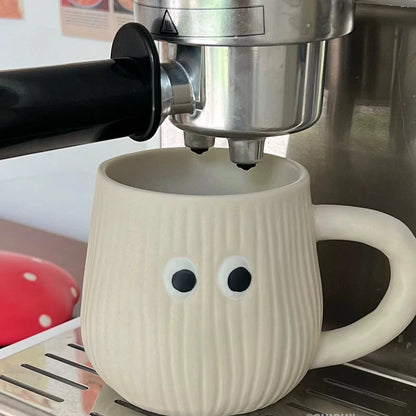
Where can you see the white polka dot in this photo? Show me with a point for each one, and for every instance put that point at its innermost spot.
(36, 260)
(45, 321)
(30, 276)
(74, 292)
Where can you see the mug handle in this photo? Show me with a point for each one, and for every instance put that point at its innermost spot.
(398, 307)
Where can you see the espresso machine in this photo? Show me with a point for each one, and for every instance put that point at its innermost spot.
(240, 70)
(335, 76)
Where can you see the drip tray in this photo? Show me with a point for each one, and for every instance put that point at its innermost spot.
(55, 378)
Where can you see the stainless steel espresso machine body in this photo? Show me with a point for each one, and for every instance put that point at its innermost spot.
(362, 152)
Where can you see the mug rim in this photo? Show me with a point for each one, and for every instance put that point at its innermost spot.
(303, 177)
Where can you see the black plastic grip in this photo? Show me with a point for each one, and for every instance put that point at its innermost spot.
(106, 99)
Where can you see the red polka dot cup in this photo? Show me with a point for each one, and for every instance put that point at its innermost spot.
(35, 295)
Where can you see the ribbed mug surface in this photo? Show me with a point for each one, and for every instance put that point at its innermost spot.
(210, 351)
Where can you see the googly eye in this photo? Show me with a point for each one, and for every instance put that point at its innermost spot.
(234, 277)
(179, 277)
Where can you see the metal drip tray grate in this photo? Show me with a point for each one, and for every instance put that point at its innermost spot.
(55, 378)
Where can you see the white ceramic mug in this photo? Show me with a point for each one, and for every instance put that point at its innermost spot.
(202, 294)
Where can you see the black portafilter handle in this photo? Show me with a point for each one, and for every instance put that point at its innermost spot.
(42, 108)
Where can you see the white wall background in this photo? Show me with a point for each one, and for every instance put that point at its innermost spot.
(37, 40)
(52, 190)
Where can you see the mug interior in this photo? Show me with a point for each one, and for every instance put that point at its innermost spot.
(180, 171)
